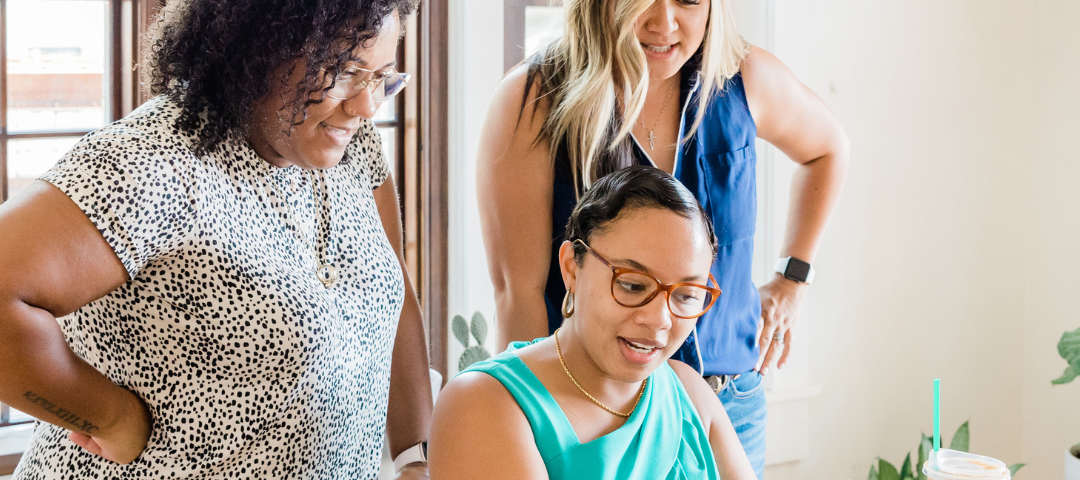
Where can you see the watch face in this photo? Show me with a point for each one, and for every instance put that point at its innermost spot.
(797, 270)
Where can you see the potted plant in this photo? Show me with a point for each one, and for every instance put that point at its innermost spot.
(1069, 349)
(913, 471)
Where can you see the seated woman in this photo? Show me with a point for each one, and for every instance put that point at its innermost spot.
(599, 399)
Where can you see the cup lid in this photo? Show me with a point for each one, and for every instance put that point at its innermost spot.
(948, 464)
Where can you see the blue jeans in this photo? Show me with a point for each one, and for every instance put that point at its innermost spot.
(744, 400)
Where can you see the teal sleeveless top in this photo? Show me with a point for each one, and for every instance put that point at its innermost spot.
(662, 439)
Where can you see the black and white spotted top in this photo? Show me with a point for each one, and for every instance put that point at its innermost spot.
(250, 366)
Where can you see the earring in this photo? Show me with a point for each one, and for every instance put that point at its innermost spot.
(568, 305)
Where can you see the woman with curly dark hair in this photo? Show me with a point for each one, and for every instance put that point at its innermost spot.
(212, 286)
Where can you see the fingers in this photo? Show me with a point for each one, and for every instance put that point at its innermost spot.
(768, 329)
(771, 349)
(86, 442)
(787, 349)
(770, 357)
(764, 344)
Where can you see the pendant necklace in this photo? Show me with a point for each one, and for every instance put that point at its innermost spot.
(324, 272)
(641, 121)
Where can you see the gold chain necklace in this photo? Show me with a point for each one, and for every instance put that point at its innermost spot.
(324, 272)
(641, 120)
(558, 348)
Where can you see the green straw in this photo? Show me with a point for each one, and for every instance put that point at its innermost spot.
(937, 414)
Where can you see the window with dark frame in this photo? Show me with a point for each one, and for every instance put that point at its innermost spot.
(61, 76)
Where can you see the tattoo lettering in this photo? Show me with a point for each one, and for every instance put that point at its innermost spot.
(80, 424)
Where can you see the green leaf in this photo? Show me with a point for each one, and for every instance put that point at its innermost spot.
(961, 438)
(1015, 467)
(1069, 349)
(471, 356)
(461, 330)
(873, 474)
(1066, 377)
(479, 327)
(886, 471)
(926, 445)
(905, 469)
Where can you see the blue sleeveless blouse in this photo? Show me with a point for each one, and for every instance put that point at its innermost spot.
(718, 165)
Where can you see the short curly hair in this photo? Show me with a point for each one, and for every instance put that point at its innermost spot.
(216, 58)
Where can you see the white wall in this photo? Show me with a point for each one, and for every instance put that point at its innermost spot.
(1052, 221)
(475, 68)
(952, 251)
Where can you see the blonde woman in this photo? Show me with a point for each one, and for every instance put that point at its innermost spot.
(666, 83)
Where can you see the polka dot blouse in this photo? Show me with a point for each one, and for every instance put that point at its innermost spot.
(250, 366)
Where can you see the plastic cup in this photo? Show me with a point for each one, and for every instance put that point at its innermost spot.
(948, 464)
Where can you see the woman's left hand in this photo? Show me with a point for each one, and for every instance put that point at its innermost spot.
(780, 302)
(418, 471)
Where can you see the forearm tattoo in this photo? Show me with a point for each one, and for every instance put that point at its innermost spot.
(80, 424)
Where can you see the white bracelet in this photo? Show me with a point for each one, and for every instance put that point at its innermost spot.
(414, 454)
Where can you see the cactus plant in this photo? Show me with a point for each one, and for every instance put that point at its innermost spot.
(462, 329)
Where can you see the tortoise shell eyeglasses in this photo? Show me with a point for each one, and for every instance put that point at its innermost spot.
(633, 288)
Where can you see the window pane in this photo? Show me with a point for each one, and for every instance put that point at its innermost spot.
(389, 146)
(17, 416)
(543, 25)
(386, 110)
(56, 64)
(30, 158)
(14, 440)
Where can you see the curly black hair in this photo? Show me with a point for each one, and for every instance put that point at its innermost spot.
(216, 58)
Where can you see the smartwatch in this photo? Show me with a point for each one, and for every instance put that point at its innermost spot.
(794, 269)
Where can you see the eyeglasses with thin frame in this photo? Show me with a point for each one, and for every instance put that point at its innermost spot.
(354, 80)
(633, 288)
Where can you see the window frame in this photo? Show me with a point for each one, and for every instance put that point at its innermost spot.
(514, 29)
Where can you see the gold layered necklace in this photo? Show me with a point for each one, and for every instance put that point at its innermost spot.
(558, 348)
(324, 272)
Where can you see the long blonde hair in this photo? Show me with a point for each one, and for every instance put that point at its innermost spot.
(595, 79)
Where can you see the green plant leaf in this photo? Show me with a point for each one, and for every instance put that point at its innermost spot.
(905, 469)
(1066, 377)
(461, 330)
(479, 328)
(873, 474)
(1069, 349)
(961, 438)
(471, 356)
(886, 471)
(926, 445)
(1015, 468)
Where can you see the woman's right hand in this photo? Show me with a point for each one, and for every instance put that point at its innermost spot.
(126, 440)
